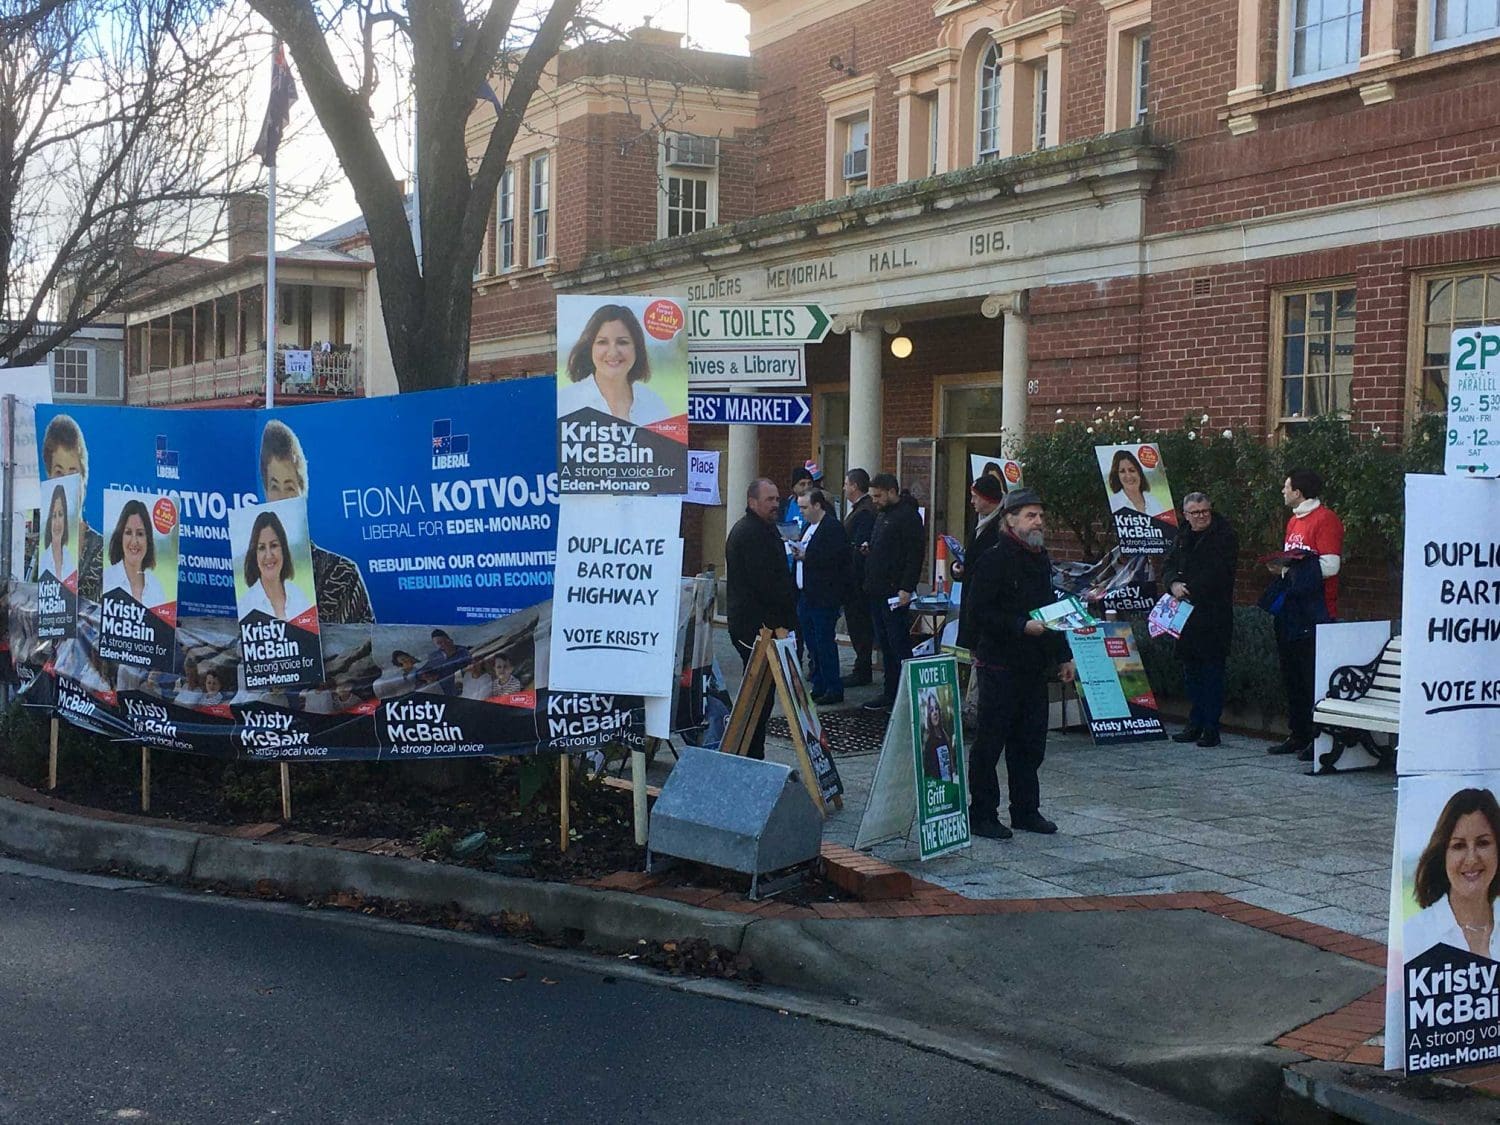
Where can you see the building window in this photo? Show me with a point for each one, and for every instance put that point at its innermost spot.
(1455, 300)
(1141, 76)
(687, 205)
(857, 152)
(1314, 365)
(1039, 103)
(1464, 21)
(689, 184)
(71, 371)
(989, 104)
(481, 259)
(1324, 37)
(933, 123)
(505, 220)
(541, 194)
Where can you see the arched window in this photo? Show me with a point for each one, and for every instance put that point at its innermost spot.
(987, 132)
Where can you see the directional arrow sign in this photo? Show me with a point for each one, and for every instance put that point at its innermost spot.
(765, 324)
(750, 410)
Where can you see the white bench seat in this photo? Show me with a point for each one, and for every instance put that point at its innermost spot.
(1368, 702)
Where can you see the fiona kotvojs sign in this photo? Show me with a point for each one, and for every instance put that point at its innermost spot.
(423, 575)
(614, 613)
(1443, 980)
(622, 396)
(1450, 624)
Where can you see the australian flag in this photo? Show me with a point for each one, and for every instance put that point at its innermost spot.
(278, 109)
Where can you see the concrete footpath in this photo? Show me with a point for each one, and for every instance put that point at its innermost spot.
(1112, 1000)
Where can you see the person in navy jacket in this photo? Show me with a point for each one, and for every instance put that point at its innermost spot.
(824, 572)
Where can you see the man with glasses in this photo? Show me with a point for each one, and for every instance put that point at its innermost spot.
(1200, 571)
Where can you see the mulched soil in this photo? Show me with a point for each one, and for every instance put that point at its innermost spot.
(437, 807)
(431, 805)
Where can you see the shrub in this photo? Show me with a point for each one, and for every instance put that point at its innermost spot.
(1252, 675)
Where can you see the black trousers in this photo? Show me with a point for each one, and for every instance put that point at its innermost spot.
(893, 630)
(861, 633)
(1297, 678)
(756, 748)
(1012, 722)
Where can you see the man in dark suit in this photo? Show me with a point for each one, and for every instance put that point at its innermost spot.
(985, 495)
(893, 564)
(762, 592)
(859, 521)
(822, 570)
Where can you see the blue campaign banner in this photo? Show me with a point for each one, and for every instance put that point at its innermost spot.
(436, 508)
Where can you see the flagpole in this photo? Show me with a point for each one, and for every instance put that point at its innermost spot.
(271, 287)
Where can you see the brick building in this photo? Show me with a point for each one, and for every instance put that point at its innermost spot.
(1263, 209)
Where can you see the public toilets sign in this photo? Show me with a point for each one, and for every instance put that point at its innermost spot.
(752, 345)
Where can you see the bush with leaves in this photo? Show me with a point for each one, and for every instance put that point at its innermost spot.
(1362, 471)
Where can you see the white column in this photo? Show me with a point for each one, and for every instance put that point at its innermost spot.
(1013, 375)
(743, 466)
(865, 403)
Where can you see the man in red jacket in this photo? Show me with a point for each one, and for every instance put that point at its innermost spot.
(1311, 527)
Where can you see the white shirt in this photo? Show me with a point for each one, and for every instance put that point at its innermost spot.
(646, 405)
(807, 534)
(152, 595)
(478, 687)
(297, 603)
(1437, 925)
(44, 562)
(1119, 502)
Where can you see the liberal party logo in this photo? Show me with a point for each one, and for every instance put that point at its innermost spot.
(166, 459)
(449, 450)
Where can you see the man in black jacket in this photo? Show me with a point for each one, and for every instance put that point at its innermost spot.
(893, 564)
(762, 592)
(859, 521)
(1200, 570)
(1013, 656)
(822, 570)
(986, 495)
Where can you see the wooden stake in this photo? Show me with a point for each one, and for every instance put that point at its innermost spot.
(638, 794)
(145, 779)
(52, 756)
(286, 793)
(562, 811)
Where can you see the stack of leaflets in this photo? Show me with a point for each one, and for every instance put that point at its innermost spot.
(1168, 616)
(1065, 616)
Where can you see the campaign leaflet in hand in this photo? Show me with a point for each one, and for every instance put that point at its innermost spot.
(955, 548)
(1065, 616)
(1168, 616)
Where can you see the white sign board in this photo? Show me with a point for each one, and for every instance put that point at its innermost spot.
(614, 600)
(711, 367)
(703, 477)
(1473, 445)
(297, 366)
(757, 324)
(1450, 624)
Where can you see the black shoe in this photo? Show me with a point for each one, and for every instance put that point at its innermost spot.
(1305, 754)
(1290, 746)
(1188, 734)
(990, 829)
(876, 705)
(858, 679)
(1033, 822)
(828, 700)
(1210, 738)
